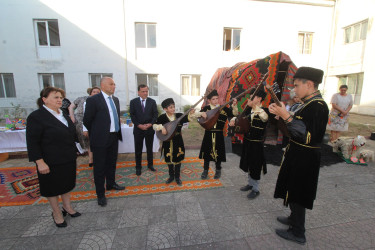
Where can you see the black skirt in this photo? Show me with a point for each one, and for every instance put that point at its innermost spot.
(60, 180)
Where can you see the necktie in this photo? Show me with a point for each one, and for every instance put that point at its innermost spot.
(115, 117)
(143, 106)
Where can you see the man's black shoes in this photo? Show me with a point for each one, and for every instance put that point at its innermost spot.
(246, 188)
(288, 235)
(170, 179)
(138, 171)
(178, 181)
(217, 174)
(115, 187)
(102, 201)
(253, 194)
(204, 174)
(151, 168)
(283, 220)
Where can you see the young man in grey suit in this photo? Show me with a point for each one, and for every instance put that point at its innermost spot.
(102, 120)
(143, 112)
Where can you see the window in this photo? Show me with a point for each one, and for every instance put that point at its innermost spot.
(356, 32)
(47, 39)
(231, 39)
(305, 42)
(54, 80)
(190, 85)
(7, 88)
(355, 83)
(145, 35)
(95, 78)
(151, 80)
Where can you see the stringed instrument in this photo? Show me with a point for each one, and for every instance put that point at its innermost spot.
(213, 114)
(241, 124)
(172, 126)
(280, 123)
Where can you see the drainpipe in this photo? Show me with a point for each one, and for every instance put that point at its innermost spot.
(126, 58)
(331, 43)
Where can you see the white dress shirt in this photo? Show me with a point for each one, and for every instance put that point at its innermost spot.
(144, 103)
(112, 128)
(59, 115)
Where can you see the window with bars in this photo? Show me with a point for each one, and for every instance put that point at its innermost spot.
(305, 42)
(54, 80)
(355, 83)
(96, 77)
(151, 80)
(231, 39)
(145, 35)
(356, 32)
(190, 85)
(7, 88)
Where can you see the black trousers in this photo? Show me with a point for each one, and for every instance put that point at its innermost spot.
(206, 165)
(297, 219)
(105, 159)
(138, 146)
(174, 170)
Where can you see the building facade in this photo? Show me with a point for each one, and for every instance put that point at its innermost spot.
(172, 46)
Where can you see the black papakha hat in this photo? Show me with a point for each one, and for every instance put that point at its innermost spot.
(308, 73)
(212, 94)
(261, 93)
(167, 102)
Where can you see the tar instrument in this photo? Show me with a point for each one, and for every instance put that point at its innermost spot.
(280, 123)
(213, 114)
(241, 124)
(172, 126)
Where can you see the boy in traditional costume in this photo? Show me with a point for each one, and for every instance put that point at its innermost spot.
(174, 150)
(299, 172)
(213, 147)
(252, 157)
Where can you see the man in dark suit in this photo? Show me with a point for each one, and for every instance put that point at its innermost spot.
(143, 112)
(102, 120)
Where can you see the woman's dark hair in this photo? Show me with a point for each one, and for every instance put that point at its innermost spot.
(93, 89)
(46, 92)
(344, 86)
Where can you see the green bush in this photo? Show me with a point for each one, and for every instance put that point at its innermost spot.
(186, 108)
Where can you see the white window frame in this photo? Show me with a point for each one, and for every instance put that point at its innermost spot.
(101, 75)
(363, 26)
(231, 39)
(3, 85)
(47, 52)
(147, 46)
(304, 50)
(148, 83)
(52, 75)
(190, 84)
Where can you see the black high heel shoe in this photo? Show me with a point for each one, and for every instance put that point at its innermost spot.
(91, 165)
(62, 224)
(76, 214)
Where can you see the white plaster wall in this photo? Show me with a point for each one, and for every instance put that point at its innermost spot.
(98, 36)
(355, 57)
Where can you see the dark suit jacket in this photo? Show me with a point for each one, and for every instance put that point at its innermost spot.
(139, 117)
(49, 139)
(98, 121)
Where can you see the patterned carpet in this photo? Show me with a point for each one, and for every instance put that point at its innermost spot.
(19, 185)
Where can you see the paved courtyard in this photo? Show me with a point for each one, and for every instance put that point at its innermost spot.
(343, 216)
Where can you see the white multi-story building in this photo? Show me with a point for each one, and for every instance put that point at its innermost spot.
(173, 46)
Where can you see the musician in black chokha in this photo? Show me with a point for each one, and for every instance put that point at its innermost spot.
(252, 157)
(174, 150)
(297, 181)
(213, 147)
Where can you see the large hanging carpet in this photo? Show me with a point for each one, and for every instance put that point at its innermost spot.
(19, 185)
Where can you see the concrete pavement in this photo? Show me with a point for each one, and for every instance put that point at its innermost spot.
(343, 216)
